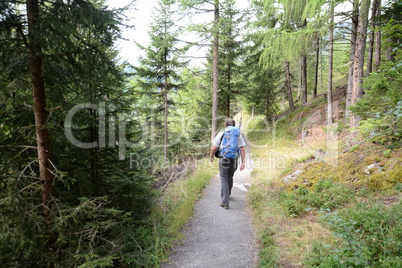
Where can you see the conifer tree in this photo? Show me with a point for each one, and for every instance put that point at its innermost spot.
(290, 29)
(212, 31)
(353, 36)
(330, 117)
(159, 68)
(229, 52)
(358, 62)
(374, 38)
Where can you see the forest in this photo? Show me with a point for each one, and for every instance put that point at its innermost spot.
(102, 160)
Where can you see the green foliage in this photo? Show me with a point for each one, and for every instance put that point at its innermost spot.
(158, 76)
(325, 195)
(268, 254)
(84, 234)
(97, 198)
(256, 127)
(263, 84)
(367, 235)
(97, 261)
(190, 120)
(381, 107)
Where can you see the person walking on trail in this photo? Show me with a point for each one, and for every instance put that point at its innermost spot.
(227, 146)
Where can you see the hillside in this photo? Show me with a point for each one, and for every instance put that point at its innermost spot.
(325, 197)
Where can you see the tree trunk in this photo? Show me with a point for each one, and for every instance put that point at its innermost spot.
(304, 79)
(377, 37)
(317, 61)
(300, 85)
(330, 118)
(370, 50)
(395, 13)
(229, 91)
(353, 36)
(358, 65)
(289, 87)
(165, 127)
(39, 98)
(93, 127)
(41, 114)
(215, 78)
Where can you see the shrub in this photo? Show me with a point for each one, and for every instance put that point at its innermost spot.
(326, 195)
(381, 107)
(268, 254)
(366, 235)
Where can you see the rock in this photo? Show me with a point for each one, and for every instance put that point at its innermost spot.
(370, 168)
(292, 177)
(319, 154)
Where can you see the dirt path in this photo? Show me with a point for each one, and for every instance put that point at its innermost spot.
(216, 237)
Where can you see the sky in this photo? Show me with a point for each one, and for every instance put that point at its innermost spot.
(139, 15)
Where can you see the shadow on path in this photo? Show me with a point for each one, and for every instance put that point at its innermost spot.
(216, 237)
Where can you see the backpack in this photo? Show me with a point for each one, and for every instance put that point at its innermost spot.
(229, 142)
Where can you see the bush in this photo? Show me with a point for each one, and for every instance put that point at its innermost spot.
(366, 235)
(381, 107)
(326, 195)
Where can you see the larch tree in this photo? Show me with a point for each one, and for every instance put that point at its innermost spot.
(358, 62)
(353, 38)
(215, 67)
(289, 87)
(377, 37)
(317, 63)
(330, 117)
(292, 25)
(373, 36)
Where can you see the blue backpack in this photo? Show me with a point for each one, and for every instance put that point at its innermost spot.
(229, 142)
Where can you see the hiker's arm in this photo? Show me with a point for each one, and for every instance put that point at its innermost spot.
(243, 158)
(213, 150)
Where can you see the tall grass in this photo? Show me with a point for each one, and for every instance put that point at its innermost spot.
(175, 208)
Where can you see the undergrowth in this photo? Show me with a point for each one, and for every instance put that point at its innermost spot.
(341, 209)
(150, 243)
(365, 235)
(326, 196)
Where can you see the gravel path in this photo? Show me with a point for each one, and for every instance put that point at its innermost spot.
(216, 237)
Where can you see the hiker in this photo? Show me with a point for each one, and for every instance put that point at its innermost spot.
(229, 144)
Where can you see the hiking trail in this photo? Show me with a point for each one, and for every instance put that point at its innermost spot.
(216, 237)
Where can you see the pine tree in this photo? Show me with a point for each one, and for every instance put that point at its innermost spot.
(159, 68)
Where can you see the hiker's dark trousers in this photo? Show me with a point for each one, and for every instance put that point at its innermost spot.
(227, 167)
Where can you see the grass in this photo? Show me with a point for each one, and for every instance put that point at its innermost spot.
(295, 220)
(175, 208)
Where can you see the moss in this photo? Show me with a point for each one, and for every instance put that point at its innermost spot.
(351, 168)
